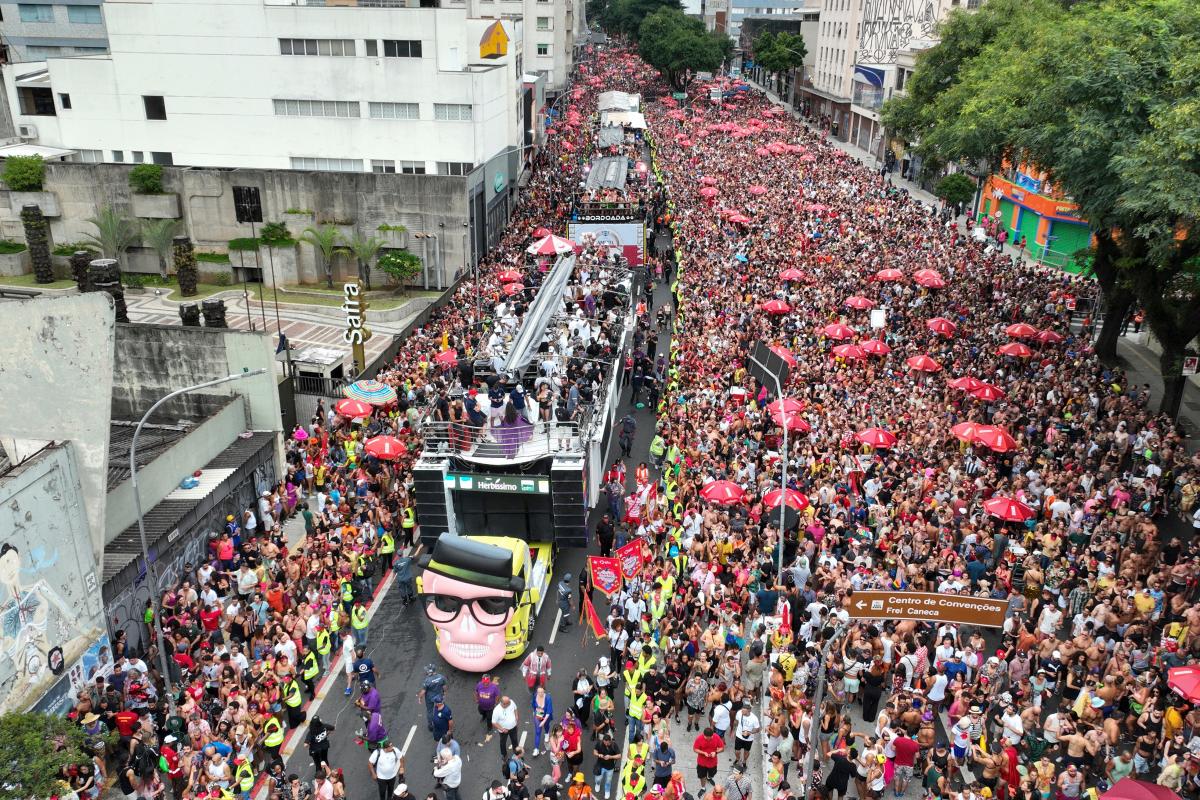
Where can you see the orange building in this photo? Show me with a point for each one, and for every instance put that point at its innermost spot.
(1026, 204)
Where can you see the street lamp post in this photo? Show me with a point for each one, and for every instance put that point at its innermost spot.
(151, 570)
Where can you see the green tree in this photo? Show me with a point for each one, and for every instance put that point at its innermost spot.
(400, 266)
(1102, 96)
(324, 239)
(778, 53)
(159, 235)
(24, 173)
(185, 266)
(33, 750)
(114, 233)
(146, 179)
(679, 47)
(37, 238)
(364, 249)
(625, 17)
(956, 189)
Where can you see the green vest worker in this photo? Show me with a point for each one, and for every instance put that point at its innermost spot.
(633, 777)
(358, 622)
(243, 776)
(293, 700)
(387, 546)
(408, 521)
(312, 668)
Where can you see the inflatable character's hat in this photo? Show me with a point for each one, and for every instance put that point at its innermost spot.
(474, 562)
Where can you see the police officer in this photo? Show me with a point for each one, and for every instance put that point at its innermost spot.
(402, 567)
(433, 688)
(564, 601)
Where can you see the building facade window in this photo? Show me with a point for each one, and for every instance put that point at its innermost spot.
(344, 109)
(84, 15)
(36, 101)
(316, 47)
(36, 12)
(455, 167)
(119, 156)
(163, 159)
(412, 167)
(327, 164)
(543, 23)
(543, 49)
(453, 112)
(382, 166)
(37, 52)
(156, 106)
(139, 157)
(394, 110)
(402, 48)
(64, 100)
(88, 156)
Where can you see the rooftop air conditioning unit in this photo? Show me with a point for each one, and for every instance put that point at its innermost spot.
(27, 132)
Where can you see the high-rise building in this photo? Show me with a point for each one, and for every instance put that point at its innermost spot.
(552, 31)
(36, 31)
(407, 86)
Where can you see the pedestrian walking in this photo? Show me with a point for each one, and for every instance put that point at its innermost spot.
(564, 601)
(433, 688)
(487, 694)
(536, 667)
(447, 770)
(385, 764)
(504, 723)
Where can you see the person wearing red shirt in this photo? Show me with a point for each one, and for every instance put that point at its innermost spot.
(906, 756)
(706, 746)
(126, 723)
(210, 619)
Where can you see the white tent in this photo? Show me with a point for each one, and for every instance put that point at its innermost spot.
(623, 119)
(619, 101)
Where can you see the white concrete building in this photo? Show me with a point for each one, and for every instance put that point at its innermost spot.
(350, 85)
(552, 30)
(858, 43)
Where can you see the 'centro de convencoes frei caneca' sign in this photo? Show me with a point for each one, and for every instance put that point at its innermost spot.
(958, 608)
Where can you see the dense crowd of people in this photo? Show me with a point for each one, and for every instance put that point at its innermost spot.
(1043, 481)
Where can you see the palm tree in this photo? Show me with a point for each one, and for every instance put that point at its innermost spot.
(159, 235)
(324, 240)
(114, 233)
(364, 249)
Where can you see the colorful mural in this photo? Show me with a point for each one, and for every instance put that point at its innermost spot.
(51, 614)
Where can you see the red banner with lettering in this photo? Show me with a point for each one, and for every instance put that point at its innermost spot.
(606, 574)
(632, 556)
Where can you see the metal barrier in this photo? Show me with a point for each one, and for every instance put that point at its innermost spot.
(318, 385)
(522, 441)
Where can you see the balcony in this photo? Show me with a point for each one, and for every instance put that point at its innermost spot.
(507, 443)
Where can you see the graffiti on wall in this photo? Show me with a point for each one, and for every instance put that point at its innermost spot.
(97, 662)
(50, 606)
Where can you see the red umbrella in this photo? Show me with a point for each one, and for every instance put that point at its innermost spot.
(861, 303)
(965, 431)
(541, 233)
(791, 274)
(889, 275)
(551, 245)
(1008, 509)
(929, 278)
(739, 219)
(988, 392)
(876, 437)
(776, 307)
(875, 347)
(923, 363)
(851, 351)
(1015, 349)
(1049, 337)
(838, 331)
(1021, 330)
(966, 383)
(757, 190)
(352, 409)
(709, 191)
(708, 181)
(446, 357)
(793, 422)
(510, 276)
(785, 406)
(795, 499)
(784, 353)
(512, 288)
(1185, 681)
(725, 493)
(941, 325)
(387, 448)
(995, 438)
(1131, 789)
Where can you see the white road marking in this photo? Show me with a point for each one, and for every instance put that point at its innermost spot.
(521, 741)
(557, 622)
(408, 740)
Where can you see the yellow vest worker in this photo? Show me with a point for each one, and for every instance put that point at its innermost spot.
(291, 694)
(273, 730)
(311, 667)
(244, 776)
(633, 777)
(323, 643)
(387, 545)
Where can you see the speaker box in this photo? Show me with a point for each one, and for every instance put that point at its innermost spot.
(430, 491)
(569, 503)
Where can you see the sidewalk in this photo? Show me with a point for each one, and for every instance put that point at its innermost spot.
(1139, 361)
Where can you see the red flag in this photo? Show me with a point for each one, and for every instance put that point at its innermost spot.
(631, 556)
(593, 617)
(785, 615)
(606, 574)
